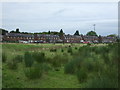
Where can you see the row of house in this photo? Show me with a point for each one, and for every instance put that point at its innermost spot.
(48, 38)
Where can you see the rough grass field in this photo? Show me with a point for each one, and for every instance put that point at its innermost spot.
(59, 65)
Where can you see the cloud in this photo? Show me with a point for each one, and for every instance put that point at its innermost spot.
(54, 16)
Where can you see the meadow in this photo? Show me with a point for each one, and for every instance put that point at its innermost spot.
(60, 65)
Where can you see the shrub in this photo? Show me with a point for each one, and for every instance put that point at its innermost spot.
(65, 58)
(4, 57)
(69, 68)
(56, 61)
(85, 51)
(70, 50)
(53, 50)
(34, 72)
(89, 44)
(62, 50)
(103, 82)
(72, 66)
(46, 67)
(76, 48)
(19, 58)
(39, 57)
(88, 63)
(82, 75)
(28, 59)
(49, 60)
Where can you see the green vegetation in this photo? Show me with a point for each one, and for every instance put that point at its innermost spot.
(60, 65)
(92, 33)
(4, 57)
(77, 33)
(28, 58)
(34, 72)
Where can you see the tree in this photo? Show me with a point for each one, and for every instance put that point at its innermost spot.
(48, 32)
(3, 31)
(77, 33)
(99, 39)
(112, 35)
(61, 31)
(12, 32)
(91, 33)
(17, 30)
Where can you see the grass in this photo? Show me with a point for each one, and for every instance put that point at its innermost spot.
(59, 66)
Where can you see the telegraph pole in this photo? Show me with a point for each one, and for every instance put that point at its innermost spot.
(94, 27)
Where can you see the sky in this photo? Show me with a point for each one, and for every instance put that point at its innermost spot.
(53, 16)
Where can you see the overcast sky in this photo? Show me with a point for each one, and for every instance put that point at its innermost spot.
(39, 17)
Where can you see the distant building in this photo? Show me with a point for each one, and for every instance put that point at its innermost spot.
(1, 37)
(48, 38)
(72, 38)
(18, 37)
(92, 39)
(108, 39)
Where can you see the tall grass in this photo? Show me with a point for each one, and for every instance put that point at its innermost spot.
(34, 72)
(82, 75)
(39, 56)
(4, 57)
(28, 59)
(70, 50)
(95, 67)
(73, 66)
(19, 58)
(12, 64)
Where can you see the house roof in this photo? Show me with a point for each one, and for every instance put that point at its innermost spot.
(19, 35)
(47, 35)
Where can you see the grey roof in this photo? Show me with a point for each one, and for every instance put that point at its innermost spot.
(47, 35)
(72, 36)
(19, 35)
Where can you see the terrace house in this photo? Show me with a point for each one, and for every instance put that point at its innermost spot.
(72, 38)
(18, 37)
(90, 38)
(47, 38)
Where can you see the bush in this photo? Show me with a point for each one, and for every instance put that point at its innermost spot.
(4, 57)
(89, 44)
(57, 61)
(103, 82)
(65, 58)
(69, 68)
(19, 58)
(46, 67)
(28, 58)
(70, 50)
(82, 75)
(76, 48)
(62, 50)
(53, 50)
(34, 72)
(72, 66)
(39, 57)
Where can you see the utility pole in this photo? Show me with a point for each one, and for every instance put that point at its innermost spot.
(94, 27)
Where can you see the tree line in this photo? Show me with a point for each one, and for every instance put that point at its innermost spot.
(90, 33)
